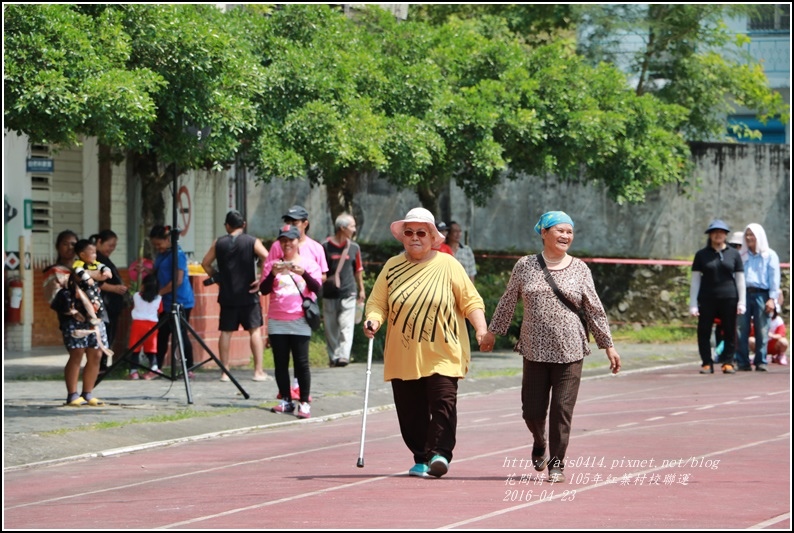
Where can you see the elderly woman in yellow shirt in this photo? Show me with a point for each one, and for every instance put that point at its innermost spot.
(426, 297)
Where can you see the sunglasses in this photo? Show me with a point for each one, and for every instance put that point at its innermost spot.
(419, 233)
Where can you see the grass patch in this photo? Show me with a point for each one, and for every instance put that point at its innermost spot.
(505, 372)
(183, 414)
(661, 334)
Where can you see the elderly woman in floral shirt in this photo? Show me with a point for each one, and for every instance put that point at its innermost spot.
(554, 336)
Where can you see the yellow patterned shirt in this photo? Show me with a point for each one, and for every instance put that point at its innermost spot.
(424, 308)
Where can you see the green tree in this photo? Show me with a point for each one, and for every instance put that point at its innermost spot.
(319, 117)
(535, 23)
(684, 54)
(66, 76)
(138, 77)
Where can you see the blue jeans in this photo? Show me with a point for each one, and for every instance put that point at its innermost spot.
(756, 303)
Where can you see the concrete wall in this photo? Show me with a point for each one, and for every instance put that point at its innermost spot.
(739, 183)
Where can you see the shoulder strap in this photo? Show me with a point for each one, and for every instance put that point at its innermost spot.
(341, 262)
(569, 304)
(300, 292)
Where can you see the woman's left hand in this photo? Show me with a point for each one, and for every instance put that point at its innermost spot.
(614, 359)
(486, 341)
(299, 270)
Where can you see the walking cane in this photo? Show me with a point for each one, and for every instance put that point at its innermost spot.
(360, 463)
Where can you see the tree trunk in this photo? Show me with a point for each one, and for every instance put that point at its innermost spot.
(105, 186)
(429, 198)
(340, 194)
(146, 170)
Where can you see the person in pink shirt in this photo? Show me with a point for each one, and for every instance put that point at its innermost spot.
(287, 281)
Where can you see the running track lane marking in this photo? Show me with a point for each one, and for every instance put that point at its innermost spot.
(604, 483)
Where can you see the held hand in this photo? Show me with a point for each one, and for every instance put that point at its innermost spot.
(486, 341)
(694, 311)
(122, 289)
(299, 270)
(770, 306)
(253, 288)
(370, 328)
(740, 310)
(614, 359)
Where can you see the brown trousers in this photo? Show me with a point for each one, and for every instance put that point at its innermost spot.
(428, 415)
(562, 380)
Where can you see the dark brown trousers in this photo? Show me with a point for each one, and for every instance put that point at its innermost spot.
(428, 415)
(562, 381)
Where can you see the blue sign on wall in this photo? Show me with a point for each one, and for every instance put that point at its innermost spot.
(40, 165)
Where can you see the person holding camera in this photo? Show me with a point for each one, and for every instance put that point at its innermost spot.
(238, 288)
(340, 294)
(288, 280)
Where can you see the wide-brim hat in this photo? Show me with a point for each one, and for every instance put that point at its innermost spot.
(421, 215)
(737, 237)
(718, 225)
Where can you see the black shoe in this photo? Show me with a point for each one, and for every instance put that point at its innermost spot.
(539, 462)
(760, 368)
(341, 362)
(707, 369)
(745, 369)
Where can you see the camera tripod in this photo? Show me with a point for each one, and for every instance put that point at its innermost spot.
(176, 320)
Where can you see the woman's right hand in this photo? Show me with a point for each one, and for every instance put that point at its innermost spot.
(370, 328)
(694, 311)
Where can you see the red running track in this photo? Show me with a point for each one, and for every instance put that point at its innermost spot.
(660, 449)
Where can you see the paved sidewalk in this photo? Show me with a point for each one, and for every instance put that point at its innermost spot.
(38, 428)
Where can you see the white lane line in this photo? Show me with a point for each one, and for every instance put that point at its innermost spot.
(654, 418)
(678, 413)
(774, 520)
(597, 485)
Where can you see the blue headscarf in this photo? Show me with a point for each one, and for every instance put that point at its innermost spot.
(552, 218)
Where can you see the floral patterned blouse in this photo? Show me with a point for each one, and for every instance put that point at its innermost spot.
(550, 332)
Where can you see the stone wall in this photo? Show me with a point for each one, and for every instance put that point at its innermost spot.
(740, 183)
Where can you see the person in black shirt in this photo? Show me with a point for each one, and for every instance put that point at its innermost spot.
(238, 293)
(717, 292)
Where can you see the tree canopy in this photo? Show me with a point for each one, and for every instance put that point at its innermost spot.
(470, 94)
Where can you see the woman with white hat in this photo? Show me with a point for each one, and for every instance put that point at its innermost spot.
(425, 297)
(717, 292)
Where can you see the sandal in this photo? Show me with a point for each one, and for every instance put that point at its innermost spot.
(77, 402)
(94, 402)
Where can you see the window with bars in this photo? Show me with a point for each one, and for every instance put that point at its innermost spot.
(771, 18)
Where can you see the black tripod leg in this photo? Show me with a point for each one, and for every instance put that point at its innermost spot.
(133, 350)
(215, 358)
(177, 332)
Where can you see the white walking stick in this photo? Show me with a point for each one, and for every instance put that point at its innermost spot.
(360, 463)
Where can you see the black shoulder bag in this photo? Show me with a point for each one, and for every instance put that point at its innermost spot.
(562, 297)
(311, 310)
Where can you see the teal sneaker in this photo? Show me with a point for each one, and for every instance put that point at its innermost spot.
(419, 470)
(438, 466)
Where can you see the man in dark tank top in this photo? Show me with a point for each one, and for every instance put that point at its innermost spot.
(236, 274)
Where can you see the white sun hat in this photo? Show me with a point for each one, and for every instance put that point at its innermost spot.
(422, 215)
